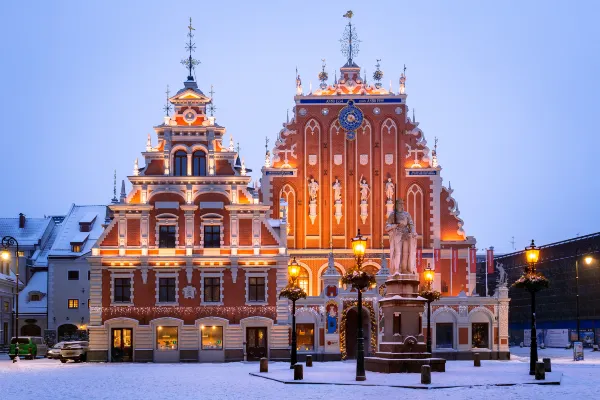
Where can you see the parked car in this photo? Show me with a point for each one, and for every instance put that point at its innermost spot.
(29, 347)
(76, 351)
(54, 352)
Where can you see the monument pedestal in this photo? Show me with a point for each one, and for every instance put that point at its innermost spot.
(403, 348)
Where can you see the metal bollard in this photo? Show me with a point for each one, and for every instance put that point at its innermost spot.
(476, 360)
(298, 372)
(540, 372)
(547, 365)
(309, 361)
(426, 374)
(264, 365)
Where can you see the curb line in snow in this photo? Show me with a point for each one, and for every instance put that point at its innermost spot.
(555, 381)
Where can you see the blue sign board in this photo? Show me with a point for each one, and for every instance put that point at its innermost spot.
(422, 172)
(280, 173)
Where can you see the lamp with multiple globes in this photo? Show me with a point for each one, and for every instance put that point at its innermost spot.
(294, 272)
(428, 275)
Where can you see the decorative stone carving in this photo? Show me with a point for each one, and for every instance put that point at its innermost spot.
(365, 191)
(312, 159)
(189, 292)
(337, 159)
(390, 191)
(337, 197)
(364, 159)
(403, 241)
(313, 188)
(389, 159)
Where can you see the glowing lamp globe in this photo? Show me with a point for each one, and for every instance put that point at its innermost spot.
(532, 253)
(588, 260)
(428, 275)
(359, 245)
(294, 269)
(5, 255)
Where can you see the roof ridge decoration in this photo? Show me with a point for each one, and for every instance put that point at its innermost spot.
(190, 62)
(349, 41)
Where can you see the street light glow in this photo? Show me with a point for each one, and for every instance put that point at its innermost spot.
(5, 255)
(588, 260)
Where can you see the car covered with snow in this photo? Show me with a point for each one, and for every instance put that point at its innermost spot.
(54, 351)
(76, 351)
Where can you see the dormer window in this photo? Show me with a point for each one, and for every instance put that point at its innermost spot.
(180, 163)
(35, 297)
(78, 242)
(87, 222)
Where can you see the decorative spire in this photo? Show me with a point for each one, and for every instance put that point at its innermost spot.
(414, 119)
(335, 77)
(238, 148)
(287, 116)
(114, 199)
(365, 78)
(403, 81)
(211, 105)
(349, 40)
(378, 74)
(136, 168)
(123, 194)
(434, 159)
(231, 145)
(149, 143)
(323, 76)
(190, 62)
(167, 107)
(310, 88)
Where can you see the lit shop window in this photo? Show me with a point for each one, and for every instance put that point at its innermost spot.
(212, 337)
(73, 303)
(166, 338)
(305, 334)
(480, 335)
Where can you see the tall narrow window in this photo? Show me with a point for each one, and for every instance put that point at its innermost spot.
(212, 290)
(122, 290)
(166, 236)
(166, 290)
(212, 236)
(180, 163)
(303, 280)
(256, 289)
(199, 163)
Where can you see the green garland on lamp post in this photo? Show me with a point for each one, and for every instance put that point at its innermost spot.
(293, 292)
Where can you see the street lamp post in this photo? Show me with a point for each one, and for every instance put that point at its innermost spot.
(429, 279)
(588, 260)
(294, 272)
(359, 245)
(532, 253)
(7, 242)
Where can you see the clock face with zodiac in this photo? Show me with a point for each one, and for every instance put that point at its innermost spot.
(350, 118)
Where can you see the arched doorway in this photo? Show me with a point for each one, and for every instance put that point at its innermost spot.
(67, 332)
(351, 330)
(31, 330)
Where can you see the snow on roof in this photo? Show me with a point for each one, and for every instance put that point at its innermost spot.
(30, 235)
(88, 218)
(70, 229)
(40, 258)
(80, 237)
(38, 283)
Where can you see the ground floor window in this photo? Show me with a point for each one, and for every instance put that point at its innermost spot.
(305, 337)
(166, 338)
(480, 335)
(212, 337)
(444, 335)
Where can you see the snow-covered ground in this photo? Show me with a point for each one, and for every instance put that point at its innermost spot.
(49, 379)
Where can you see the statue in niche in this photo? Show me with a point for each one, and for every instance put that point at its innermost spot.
(313, 188)
(337, 191)
(364, 190)
(389, 189)
(502, 279)
(403, 241)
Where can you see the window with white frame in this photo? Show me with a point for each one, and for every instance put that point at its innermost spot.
(212, 231)
(211, 287)
(256, 287)
(167, 288)
(167, 231)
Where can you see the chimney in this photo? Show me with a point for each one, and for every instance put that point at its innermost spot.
(21, 221)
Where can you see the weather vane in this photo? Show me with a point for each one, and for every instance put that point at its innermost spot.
(167, 107)
(266, 144)
(211, 106)
(190, 62)
(349, 40)
(323, 75)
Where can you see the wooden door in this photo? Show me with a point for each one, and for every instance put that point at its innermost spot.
(256, 343)
(122, 345)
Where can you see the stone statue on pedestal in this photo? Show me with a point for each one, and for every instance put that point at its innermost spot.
(403, 241)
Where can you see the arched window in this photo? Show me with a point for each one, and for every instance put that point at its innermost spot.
(414, 205)
(180, 163)
(199, 163)
(303, 280)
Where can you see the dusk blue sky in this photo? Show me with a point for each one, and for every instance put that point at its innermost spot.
(510, 88)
